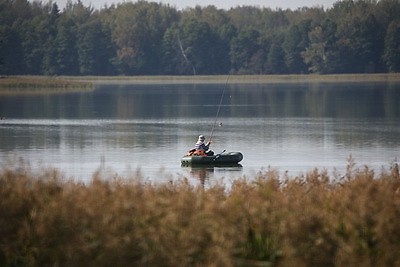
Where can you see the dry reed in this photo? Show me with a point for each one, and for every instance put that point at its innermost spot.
(238, 79)
(270, 220)
(40, 85)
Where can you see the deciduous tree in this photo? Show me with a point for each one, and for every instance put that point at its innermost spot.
(392, 47)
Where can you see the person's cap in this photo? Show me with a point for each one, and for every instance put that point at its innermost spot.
(201, 137)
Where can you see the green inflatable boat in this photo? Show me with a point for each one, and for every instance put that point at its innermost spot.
(224, 158)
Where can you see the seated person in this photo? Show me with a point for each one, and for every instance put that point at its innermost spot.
(201, 149)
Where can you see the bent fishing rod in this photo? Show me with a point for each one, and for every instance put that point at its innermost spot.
(219, 108)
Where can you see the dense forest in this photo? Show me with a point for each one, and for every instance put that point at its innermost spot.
(149, 38)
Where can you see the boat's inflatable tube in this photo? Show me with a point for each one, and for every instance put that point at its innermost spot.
(225, 158)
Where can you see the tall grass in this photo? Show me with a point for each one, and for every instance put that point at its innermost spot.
(40, 85)
(269, 220)
(246, 79)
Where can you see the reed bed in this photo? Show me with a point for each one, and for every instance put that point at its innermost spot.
(32, 83)
(244, 79)
(269, 220)
(41, 85)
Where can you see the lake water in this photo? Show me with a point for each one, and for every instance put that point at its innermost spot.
(134, 129)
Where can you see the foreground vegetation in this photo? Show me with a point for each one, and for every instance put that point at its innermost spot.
(310, 220)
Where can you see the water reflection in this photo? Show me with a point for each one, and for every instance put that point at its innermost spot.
(293, 127)
(204, 173)
(45, 90)
(335, 100)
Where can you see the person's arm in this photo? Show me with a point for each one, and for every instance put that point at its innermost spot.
(204, 146)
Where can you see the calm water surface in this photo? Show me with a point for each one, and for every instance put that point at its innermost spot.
(144, 130)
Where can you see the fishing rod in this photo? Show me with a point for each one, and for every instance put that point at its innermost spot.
(219, 108)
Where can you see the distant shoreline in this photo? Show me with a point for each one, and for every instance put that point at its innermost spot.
(222, 79)
(10, 85)
(39, 81)
(69, 82)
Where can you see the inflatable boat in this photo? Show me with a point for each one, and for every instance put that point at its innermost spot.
(224, 158)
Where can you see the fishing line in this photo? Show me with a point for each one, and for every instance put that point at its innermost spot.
(219, 108)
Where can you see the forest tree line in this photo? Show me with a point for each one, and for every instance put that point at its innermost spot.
(149, 38)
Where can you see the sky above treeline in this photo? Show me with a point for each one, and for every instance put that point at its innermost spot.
(224, 4)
